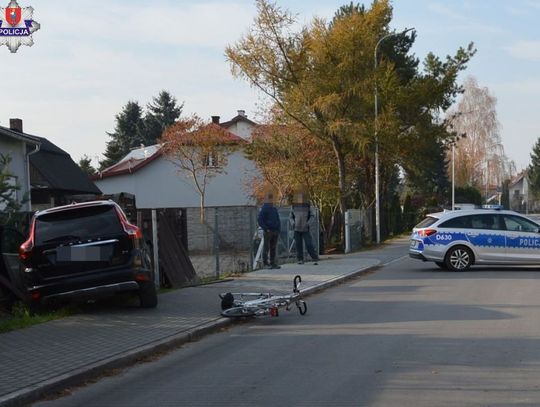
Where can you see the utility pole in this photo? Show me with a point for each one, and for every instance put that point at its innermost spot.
(377, 200)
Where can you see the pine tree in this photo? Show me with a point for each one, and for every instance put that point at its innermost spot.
(468, 194)
(9, 204)
(129, 132)
(348, 10)
(162, 112)
(505, 195)
(395, 216)
(534, 168)
(409, 213)
(85, 164)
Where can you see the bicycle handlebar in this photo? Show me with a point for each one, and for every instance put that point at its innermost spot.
(296, 284)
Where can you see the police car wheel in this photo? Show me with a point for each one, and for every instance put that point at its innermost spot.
(459, 258)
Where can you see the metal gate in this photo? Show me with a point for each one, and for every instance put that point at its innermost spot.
(172, 259)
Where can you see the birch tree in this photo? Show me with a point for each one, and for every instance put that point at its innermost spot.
(480, 160)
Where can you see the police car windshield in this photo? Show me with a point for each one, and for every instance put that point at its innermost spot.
(430, 220)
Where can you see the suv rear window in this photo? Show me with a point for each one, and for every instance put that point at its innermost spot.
(430, 220)
(81, 223)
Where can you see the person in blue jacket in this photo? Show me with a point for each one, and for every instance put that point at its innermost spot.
(270, 224)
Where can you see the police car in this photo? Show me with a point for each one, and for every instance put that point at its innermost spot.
(458, 239)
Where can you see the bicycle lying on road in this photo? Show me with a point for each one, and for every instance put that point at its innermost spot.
(241, 305)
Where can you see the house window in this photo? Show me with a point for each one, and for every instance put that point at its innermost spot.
(211, 160)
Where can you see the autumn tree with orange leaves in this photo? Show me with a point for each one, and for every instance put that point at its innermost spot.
(199, 150)
(290, 159)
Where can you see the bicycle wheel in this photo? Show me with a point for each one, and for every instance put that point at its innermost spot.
(302, 307)
(238, 312)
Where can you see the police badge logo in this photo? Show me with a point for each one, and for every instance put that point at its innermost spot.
(17, 26)
(13, 15)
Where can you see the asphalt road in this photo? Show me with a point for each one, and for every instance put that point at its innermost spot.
(407, 335)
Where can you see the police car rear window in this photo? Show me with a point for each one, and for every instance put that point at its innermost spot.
(461, 222)
(430, 220)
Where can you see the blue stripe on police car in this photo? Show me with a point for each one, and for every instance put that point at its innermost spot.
(520, 242)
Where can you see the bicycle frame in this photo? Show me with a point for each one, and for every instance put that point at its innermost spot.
(239, 305)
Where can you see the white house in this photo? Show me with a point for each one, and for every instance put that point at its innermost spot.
(157, 183)
(518, 190)
(46, 174)
(18, 146)
(239, 125)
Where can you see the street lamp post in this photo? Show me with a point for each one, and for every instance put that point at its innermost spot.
(453, 176)
(377, 200)
(453, 143)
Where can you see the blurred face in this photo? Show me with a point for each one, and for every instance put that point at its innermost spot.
(299, 198)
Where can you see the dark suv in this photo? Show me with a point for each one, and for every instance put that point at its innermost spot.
(86, 250)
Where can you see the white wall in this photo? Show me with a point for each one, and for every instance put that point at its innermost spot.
(18, 167)
(159, 185)
(242, 129)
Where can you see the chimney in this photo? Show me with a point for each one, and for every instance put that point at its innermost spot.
(242, 113)
(15, 125)
(215, 119)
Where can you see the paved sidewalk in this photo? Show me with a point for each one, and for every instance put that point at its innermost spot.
(47, 357)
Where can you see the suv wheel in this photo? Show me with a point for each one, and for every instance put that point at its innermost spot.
(459, 258)
(147, 294)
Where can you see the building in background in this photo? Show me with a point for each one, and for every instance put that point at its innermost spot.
(43, 169)
(19, 146)
(520, 198)
(156, 182)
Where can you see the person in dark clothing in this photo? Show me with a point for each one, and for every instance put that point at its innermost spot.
(269, 222)
(300, 216)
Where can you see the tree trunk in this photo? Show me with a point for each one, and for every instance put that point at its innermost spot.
(202, 209)
(341, 181)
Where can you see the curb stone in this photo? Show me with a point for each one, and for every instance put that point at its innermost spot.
(79, 376)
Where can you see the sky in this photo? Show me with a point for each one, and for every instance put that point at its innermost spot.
(90, 58)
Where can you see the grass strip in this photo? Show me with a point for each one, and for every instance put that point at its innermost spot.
(22, 317)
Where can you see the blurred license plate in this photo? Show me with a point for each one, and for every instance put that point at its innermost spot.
(84, 253)
(414, 244)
